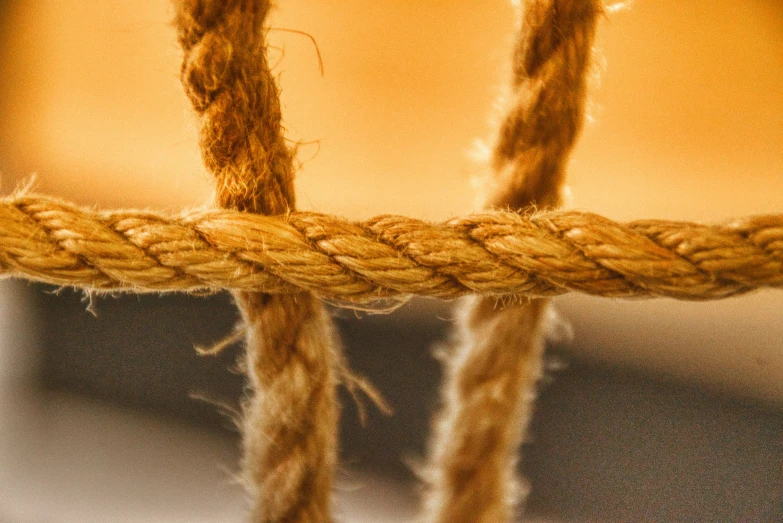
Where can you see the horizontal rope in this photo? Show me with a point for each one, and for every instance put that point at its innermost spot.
(489, 253)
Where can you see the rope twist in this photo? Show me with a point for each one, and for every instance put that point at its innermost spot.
(489, 253)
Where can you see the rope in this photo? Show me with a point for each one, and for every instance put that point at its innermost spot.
(490, 378)
(290, 415)
(278, 262)
(489, 253)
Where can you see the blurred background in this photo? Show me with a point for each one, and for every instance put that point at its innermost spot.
(651, 410)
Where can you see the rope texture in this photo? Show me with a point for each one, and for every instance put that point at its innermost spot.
(290, 416)
(489, 253)
(491, 376)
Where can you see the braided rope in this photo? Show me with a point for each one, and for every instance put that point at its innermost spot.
(489, 253)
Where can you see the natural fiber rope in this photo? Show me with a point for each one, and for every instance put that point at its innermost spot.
(489, 253)
(491, 376)
(290, 426)
(290, 416)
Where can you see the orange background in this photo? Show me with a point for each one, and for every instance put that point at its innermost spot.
(686, 122)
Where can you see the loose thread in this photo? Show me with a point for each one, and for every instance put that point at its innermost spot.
(356, 384)
(218, 347)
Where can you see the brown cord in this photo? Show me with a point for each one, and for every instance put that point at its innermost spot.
(290, 416)
(491, 253)
(491, 375)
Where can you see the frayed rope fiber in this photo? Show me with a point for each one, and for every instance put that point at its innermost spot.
(489, 253)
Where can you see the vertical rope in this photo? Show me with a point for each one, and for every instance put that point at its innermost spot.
(492, 373)
(291, 413)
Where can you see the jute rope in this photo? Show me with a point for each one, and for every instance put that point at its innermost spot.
(290, 416)
(492, 374)
(277, 261)
(490, 253)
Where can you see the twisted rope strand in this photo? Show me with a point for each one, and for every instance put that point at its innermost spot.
(491, 376)
(290, 426)
(489, 253)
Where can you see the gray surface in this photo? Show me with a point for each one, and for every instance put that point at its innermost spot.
(607, 444)
(610, 445)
